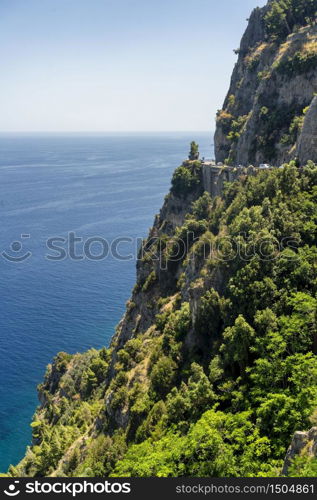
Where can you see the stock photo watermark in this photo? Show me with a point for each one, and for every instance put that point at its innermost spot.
(17, 254)
(96, 248)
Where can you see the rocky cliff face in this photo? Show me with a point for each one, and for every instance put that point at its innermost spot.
(151, 263)
(303, 444)
(268, 114)
(307, 142)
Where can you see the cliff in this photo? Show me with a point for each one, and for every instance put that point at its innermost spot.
(213, 366)
(300, 459)
(269, 114)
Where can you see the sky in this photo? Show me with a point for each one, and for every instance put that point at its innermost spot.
(117, 65)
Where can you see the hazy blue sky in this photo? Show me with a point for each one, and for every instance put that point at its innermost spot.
(105, 65)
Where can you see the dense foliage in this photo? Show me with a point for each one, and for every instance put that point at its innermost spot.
(185, 179)
(218, 385)
(284, 15)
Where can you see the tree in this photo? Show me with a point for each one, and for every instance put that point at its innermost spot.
(184, 181)
(194, 151)
(162, 375)
(276, 20)
(200, 393)
(209, 320)
(237, 342)
(202, 207)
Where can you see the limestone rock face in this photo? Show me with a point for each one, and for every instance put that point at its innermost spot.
(140, 317)
(307, 144)
(302, 442)
(267, 93)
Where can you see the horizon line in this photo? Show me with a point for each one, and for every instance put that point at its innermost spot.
(102, 131)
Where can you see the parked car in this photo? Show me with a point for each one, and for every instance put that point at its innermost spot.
(264, 166)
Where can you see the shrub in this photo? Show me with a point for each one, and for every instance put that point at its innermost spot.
(302, 61)
(224, 120)
(149, 282)
(163, 375)
(283, 15)
(236, 128)
(184, 181)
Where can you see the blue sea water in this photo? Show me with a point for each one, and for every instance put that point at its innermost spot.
(106, 186)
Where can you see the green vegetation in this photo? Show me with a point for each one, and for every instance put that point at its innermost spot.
(224, 120)
(213, 447)
(285, 51)
(236, 127)
(295, 128)
(150, 280)
(284, 15)
(232, 127)
(215, 386)
(186, 178)
(302, 61)
(194, 151)
(279, 125)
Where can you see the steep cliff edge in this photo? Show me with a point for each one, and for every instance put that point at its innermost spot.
(213, 366)
(268, 114)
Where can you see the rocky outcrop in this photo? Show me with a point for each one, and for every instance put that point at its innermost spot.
(153, 277)
(272, 83)
(307, 144)
(302, 443)
(142, 308)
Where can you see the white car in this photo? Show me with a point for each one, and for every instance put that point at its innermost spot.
(264, 166)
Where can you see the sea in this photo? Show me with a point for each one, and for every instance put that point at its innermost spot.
(73, 210)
